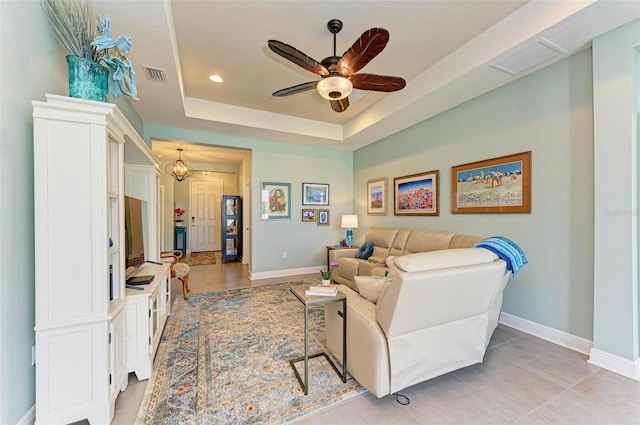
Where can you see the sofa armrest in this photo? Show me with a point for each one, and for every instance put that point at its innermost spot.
(336, 254)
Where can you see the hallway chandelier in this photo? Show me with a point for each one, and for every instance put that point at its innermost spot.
(179, 169)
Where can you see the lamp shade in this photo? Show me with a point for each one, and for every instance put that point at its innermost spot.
(334, 88)
(350, 221)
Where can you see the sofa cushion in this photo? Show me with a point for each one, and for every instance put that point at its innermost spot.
(399, 243)
(370, 286)
(346, 272)
(464, 241)
(444, 258)
(381, 236)
(366, 268)
(425, 241)
(365, 251)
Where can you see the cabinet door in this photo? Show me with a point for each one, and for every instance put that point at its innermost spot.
(118, 352)
(155, 330)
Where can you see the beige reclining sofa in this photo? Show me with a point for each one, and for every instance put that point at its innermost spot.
(435, 313)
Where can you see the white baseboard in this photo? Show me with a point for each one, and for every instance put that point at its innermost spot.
(29, 418)
(624, 367)
(561, 338)
(285, 273)
(627, 368)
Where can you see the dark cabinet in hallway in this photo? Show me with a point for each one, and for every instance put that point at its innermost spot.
(231, 228)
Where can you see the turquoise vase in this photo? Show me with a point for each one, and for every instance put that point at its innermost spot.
(88, 79)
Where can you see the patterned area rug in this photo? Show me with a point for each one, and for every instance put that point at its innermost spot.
(201, 258)
(223, 359)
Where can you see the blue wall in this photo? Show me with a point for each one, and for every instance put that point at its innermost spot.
(548, 113)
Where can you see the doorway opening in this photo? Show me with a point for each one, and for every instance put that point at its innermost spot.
(218, 171)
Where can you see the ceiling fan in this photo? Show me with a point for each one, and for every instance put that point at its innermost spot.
(338, 73)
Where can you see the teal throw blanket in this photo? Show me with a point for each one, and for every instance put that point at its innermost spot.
(506, 249)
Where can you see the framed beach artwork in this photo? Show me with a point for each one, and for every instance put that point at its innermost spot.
(308, 215)
(323, 217)
(275, 201)
(315, 194)
(416, 194)
(497, 185)
(377, 197)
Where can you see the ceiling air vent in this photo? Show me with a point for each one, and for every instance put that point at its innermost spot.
(528, 57)
(155, 74)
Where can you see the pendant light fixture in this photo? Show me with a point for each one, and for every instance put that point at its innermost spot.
(179, 169)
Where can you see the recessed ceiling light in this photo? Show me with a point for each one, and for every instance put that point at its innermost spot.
(216, 78)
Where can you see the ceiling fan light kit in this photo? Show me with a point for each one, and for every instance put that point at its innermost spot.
(334, 88)
(338, 73)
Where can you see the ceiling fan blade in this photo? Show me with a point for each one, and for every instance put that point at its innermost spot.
(340, 105)
(367, 47)
(377, 82)
(297, 57)
(296, 89)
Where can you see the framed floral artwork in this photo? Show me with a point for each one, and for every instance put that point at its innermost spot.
(275, 200)
(377, 197)
(416, 194)
(497, 185)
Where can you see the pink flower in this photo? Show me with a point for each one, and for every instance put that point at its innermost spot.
(326, 275)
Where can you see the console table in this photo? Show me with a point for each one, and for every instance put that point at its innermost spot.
(180, 241)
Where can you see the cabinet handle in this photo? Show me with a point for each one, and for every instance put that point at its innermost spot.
(193, 220)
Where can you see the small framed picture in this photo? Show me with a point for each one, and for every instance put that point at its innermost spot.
(377, 197)
(308, 215)
(315, 194)
(416, 194)
(323, 217)
(275, 201)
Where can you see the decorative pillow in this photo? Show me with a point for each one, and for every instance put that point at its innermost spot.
(443, 259)
(370, 286)
(365, 251)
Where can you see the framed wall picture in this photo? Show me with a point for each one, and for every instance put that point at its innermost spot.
(323, 217)
(498, 185)
(275, 199)
(416, 194)
(308, 215)
(315, 194)
(377, 197)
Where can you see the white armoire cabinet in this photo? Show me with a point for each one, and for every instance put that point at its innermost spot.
(80, 148)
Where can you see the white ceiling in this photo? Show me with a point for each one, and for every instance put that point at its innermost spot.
(444, 49)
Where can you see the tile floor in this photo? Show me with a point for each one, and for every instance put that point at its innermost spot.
(523, 380)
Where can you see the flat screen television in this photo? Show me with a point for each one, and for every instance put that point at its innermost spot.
(134, 225)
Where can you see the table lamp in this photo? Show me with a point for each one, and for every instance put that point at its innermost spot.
(349, 222)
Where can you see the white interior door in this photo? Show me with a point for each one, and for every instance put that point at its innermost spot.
(204, 208)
